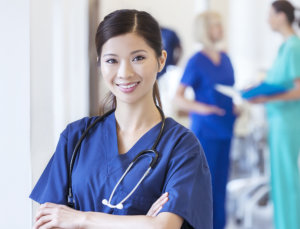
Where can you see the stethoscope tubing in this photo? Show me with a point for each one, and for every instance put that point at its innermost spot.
(70, 198)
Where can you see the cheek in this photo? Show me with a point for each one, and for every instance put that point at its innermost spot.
(212, 33)
(149, 72)
(106, 73)
(272, 22)
(217, 32)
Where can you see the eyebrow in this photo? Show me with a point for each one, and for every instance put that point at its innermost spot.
(134, 52)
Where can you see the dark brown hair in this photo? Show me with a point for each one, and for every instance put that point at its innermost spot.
(126, 21)
(282, 6)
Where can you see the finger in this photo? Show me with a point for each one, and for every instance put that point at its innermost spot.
(160, 200)
(156, 212)
(48, 208)
(159, 207)
(43, 212)
(158, 204)
(49, 225)
(42, 221)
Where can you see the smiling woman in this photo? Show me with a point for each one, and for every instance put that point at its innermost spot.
(109, 173)
(130, 73)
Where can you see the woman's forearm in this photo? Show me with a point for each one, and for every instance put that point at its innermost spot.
(197, 107)
(194, 106)
(97, 220)
(188, 105)
(293, 94)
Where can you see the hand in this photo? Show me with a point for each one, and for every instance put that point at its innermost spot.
(259, 99)
(158, 204)
(237, 110)
(52, 216)
(210, 109)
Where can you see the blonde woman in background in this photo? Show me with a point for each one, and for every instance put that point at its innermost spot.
(211, 113)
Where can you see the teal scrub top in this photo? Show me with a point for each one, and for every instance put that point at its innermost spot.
(284, 71)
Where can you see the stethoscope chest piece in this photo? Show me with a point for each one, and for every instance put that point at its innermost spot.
(151, 165)
(118, 206)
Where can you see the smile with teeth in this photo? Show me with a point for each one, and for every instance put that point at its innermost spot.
(127, 86)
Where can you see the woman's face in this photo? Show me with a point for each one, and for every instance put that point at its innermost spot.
(275, 19)
(129, 67)
(215, 31)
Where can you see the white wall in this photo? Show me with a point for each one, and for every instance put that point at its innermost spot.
(177, 15)
(252, 44)
(59, 73)
(15, 210)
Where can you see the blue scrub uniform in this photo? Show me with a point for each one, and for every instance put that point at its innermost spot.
(213, 131)
(181, 170)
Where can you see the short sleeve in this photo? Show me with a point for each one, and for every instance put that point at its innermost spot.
(189, 185)
(189, 77)
(294, 60)
(52, 185)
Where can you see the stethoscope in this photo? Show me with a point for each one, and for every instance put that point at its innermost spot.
(70, 198)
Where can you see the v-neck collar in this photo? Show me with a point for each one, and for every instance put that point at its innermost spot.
(217, 65)
(116, 160)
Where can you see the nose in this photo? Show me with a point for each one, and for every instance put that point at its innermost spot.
(125, 70)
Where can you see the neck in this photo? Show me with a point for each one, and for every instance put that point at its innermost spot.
(286, 32)
(211, 49)
(135, 117)
(213, 54)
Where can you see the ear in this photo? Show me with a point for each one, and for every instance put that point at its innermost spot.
(283, 17)
(162, 60)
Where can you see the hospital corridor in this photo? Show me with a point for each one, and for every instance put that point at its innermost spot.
(150, 114)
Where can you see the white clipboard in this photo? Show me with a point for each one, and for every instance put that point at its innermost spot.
(231, 92)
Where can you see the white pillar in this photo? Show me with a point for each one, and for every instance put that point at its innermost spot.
(252, 45)
(59, 73)
(15, 210)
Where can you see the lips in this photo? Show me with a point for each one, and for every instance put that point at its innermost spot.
(127, 87)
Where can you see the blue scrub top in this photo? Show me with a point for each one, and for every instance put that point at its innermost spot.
(181, 170)
(202, 75)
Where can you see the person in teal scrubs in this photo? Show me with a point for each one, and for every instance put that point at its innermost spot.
(283, 113)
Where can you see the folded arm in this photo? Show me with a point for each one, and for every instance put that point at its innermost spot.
(164, 220)
(52, 215)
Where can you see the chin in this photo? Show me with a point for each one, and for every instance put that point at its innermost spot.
(273, 27)
(129, 101)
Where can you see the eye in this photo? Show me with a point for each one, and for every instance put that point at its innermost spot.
(111, 61)
(139, 58)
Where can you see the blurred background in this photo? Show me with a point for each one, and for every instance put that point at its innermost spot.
(49, 77)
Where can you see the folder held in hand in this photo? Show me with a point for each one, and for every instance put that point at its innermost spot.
(263, 89)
